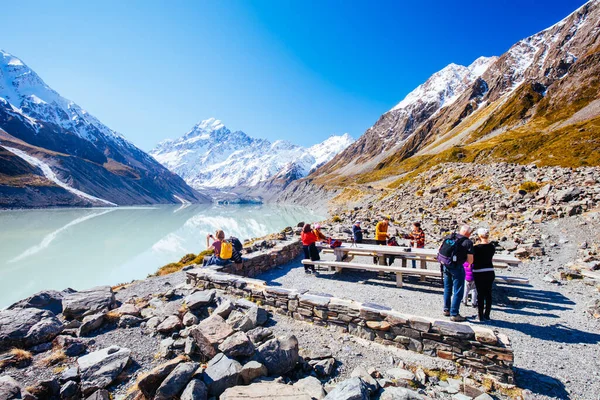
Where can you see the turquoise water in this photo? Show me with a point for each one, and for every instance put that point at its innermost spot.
(82, 248)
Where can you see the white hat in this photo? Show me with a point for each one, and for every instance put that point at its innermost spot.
(485, 232)
(357, 223)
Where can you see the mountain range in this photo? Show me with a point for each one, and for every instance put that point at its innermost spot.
(54, 153)
(211, 155)
(537, 103)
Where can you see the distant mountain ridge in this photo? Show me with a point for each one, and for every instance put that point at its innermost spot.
(210, 155)
(538, 102)
(63, 151)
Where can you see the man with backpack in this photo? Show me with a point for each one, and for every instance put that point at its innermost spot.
(455, 250)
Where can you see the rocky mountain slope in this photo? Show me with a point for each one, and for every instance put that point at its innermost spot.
(55, 153)
(529, 105)
(210, 155)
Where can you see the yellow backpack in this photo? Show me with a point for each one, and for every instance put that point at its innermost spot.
(226, 250)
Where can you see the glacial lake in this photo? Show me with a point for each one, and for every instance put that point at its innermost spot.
(82, 248)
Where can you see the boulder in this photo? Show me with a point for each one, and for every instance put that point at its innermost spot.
(224, 309)
(240, 321)
(9, 388)
(166, 347)
(101, 394)
(91, 323)
(221, 373)
(312, 387)
(49, 300)
(46, 388)
(323, 368)
(367, 378)
(71, 346)
(27, 327)
(203, 345)
(189, 319)
(176, 381)
(69, 390)
(100, 368)
(350, 389)
(259, 335)
(200, 299)
(264, 391)
(170, 324)
(127, 309)
(399, 393)
(129, 321)
(279, 355)
(79, 304)
(237, 345)
(215, 329)
(258, 316)
(252, 370)
(152, 380)
(195, 390)
(69, 374)
(400, 374)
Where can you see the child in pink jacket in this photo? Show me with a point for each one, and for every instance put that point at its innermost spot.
(469, 285)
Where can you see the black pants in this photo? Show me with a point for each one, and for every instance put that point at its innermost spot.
(484, 281)
(310, 253)
(381, 243)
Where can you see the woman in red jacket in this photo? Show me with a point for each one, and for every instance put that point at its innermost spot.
(310, 250)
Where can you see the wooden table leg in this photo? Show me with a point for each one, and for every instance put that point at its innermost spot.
(398, 279)
(423, 266)
(403, 262)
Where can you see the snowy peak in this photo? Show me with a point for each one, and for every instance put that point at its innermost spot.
(210, 155)
(446, 85)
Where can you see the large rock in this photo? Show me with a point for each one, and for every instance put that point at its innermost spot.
(252, 370)
(279, 355)
(27, 327)
(170, 324)
(91, 323)
(9, 388)
(200, 299)
(224, 309)
(399, 393)
(312, 387)
(258, 316)
(152, 380)
(264, 391)
(215, 329)
(237, 345)
(259, 335)
(71, 346)
(240, 321)
(360, 372)
(99, 395)
(350, 389)
(221, 373)
(195, 390)
(69, 390)
(177, 380)
(49, 300)
(204, 346)
(79, 304)
(100, 368)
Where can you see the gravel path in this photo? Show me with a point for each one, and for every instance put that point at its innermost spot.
(555, 341)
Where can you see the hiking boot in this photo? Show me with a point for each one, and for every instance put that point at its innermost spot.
(457, 318)
(446, 313)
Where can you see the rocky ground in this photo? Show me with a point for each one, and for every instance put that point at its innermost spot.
(550, 323)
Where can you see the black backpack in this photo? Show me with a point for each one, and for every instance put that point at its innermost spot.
(447, 253)
(237, 245)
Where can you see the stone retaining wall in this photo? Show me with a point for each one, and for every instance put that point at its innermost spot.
(473, 347)
(262, 261)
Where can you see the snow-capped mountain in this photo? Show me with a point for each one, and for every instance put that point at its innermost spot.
(500, 106)
(210, 155)
(62, 150)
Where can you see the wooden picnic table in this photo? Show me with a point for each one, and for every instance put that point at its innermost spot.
(404, 253)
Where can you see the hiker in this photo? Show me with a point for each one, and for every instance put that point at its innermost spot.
(224, 250)
(469, 285)
(357, 232)
(483, 273)
(417, 239)
(381, 235)
(311, 252)
(455, 250)
(319, 234)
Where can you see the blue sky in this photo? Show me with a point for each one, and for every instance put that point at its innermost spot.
(294, 70)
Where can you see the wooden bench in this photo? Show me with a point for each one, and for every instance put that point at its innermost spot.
(401, 271)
